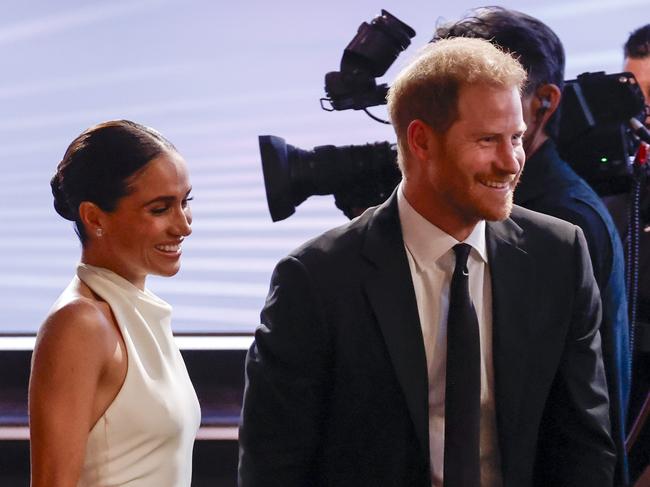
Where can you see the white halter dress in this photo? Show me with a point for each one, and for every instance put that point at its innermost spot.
(145, 437)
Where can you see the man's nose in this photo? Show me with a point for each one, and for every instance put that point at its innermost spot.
(510, 157)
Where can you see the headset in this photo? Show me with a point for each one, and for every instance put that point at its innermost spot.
(546, 104)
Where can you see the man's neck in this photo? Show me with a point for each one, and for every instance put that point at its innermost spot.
(435, 213)
(532, 144)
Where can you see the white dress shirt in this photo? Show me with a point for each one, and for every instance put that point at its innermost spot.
(431, 261)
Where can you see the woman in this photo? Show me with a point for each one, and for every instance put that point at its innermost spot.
(110, 400)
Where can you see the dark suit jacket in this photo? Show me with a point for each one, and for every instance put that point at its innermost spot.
(336, 391)
(550, 186)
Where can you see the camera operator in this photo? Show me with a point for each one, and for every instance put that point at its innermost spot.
(637, 61)
(550, 186)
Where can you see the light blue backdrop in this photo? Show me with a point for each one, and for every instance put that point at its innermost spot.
(211, 76)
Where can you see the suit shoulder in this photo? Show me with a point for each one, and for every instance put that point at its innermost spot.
(533, 221)
(343, 240)
(543, 232)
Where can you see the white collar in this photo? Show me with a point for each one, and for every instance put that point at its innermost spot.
(426, 242)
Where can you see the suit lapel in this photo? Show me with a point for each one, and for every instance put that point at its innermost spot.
(389, 288)
(511, 273)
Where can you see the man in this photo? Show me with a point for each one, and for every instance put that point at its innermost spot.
(637, 60)
(351, 376)
(550, 186)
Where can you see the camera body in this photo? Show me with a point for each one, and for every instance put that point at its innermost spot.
(368, 56)
(595, 135)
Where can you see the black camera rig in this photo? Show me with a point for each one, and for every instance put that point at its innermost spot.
(598, 133)
(368, 56)
(601, 127)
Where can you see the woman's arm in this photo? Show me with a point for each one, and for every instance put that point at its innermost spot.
(71, 355)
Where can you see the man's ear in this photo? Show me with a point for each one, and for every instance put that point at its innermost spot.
(422, 140)
(545, 102)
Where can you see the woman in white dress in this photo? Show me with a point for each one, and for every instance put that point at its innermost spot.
(110, 400)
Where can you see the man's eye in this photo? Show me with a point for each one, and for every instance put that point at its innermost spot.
(518, 137)
(159, 210)
(186, 201)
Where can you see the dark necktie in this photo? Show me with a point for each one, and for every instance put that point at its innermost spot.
(463, 389)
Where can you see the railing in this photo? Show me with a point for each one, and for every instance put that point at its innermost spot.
(215, 365)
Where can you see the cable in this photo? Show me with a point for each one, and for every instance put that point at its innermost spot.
(633, 261)
(633, 243)
(375, 118)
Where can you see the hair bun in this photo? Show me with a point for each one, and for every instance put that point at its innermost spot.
(61, 204)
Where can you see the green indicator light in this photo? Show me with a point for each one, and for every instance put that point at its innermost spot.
(603, 159)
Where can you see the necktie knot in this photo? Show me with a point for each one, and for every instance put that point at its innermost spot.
(462, 254)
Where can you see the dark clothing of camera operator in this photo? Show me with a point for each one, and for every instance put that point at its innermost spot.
(550, 186)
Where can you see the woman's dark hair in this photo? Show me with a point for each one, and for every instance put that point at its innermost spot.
(97, 166)
(532, 42)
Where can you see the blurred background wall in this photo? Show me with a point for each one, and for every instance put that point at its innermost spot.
(211, 76)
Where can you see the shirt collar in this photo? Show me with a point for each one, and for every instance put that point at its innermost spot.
(426, 242)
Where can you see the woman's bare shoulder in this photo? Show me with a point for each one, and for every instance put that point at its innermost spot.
(79, 322)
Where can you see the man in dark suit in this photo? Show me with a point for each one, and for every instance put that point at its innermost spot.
(351, 376)
(550, 186)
